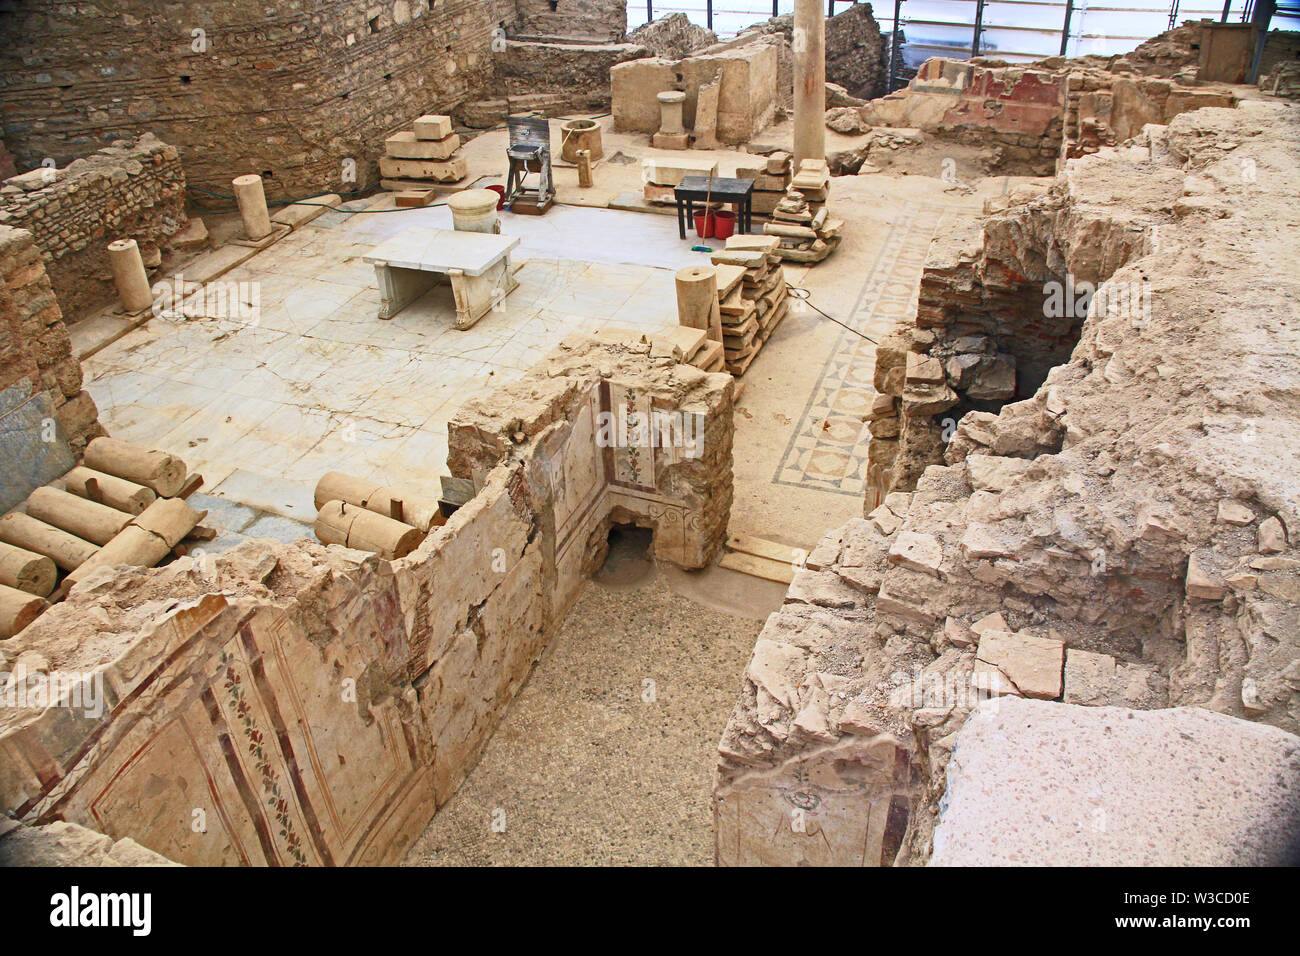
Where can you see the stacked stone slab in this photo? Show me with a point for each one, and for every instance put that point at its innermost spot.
(771, 180)
(752, 294)
(801, 221)
(662, 177)
(423, 157)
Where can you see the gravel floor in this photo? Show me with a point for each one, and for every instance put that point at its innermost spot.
(582, 770)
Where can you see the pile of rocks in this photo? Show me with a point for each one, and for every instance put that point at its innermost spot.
(771, 180)
(662, 178)
(752, 294)
(423, 157)
(801, 221)
(673, 36)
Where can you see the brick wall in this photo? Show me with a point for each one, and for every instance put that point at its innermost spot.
(45, 416)
(574, 19)
(128, 190)
(289, 88)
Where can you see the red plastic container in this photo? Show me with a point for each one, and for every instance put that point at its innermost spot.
(724, 224)
(704, 225)
(501, 191)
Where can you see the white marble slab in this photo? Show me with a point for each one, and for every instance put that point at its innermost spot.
(440, 250)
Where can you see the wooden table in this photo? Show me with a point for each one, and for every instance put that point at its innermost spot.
(477, 264)
(739, 192)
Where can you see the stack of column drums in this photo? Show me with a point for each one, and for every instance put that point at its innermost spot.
(118, 507)
(371, 516)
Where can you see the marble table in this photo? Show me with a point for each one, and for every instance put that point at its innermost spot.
(477, 265)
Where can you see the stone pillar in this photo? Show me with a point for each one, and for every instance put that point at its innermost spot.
(252, 206)
(672, 134)
(697, 300)
(809, 81)
(129, 276)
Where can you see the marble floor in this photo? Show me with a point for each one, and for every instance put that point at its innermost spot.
(263, 401)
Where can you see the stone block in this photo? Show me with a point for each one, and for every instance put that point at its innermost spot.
(918, 551)
(672, 172)
(448, 171)
(432, 127)
(406, 145)
(1033, 783)
(1032, 664)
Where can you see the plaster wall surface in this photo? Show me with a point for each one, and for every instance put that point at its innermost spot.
(318, 704)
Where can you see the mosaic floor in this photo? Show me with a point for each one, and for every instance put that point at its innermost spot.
(828, 450)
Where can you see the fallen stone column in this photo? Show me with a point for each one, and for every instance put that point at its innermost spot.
(129, 276)
(26, 571)
(17, 610)
(108, 490)
(157, 470)
(95, 523)
(66, 550)
(354, 527)
(418, 511)
(146, 540)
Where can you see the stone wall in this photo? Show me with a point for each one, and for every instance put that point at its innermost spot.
(315, 705)
(1127, 536)
(46, 417)
(574, 76)
(1016, 110)
(125, 191)
(288, 89)
(856, 53)
(746, 98)
(1102, 109)
(673, 36)
(599, 20)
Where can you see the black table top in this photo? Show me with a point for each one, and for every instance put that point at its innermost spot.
(698, 186)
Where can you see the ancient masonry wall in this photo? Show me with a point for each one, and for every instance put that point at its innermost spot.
(125, 191)
(46, 417)
(1102, 109)
(746, 95)
(600, 20)
(560, 78)
(1128, 535)
(285, 89)
(856, 53)
(1017, 110)
(315, 705)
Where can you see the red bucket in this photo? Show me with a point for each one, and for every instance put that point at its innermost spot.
(724, 224)
(500, 191)
(704, 225)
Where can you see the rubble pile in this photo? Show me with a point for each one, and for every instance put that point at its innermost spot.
(1124, 535)
(802, 221)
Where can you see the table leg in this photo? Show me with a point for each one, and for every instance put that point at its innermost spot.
(681, 227)
(400, 287)
(478, 295)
